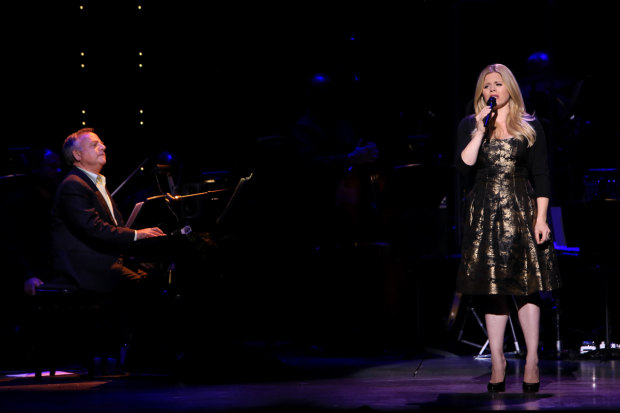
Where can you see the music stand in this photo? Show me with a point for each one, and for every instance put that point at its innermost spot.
(590, 226)
(151, 213)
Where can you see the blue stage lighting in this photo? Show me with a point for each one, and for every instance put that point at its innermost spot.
(564, 248)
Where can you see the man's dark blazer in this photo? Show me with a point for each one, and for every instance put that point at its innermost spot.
(87, 245)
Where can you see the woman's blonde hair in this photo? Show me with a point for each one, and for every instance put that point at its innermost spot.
(517, 123)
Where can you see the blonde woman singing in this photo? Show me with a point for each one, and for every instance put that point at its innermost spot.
(506, 240)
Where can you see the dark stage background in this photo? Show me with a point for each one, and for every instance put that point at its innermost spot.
(204, 81)
(214, 78)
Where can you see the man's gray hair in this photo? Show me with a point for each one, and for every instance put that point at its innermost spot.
(71, 143)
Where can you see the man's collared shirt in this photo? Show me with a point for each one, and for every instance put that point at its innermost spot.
(99, 181)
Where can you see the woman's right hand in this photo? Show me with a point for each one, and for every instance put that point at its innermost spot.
(470, 153)
(480, 118)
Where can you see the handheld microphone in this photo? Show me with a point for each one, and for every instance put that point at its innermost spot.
(491, 103)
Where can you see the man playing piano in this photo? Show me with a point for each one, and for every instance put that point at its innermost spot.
(88, 231)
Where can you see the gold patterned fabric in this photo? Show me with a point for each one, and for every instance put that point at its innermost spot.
(499, 253)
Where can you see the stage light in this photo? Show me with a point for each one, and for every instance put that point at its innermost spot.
(83, 123)
(564, 248)
(140, 64)
(142, 169)
(43, 374)
(141, 112)
(83, 111)
(82, 65)
(82, 54)
(140, 53)
(139, 7)
(81, 7)
(141, 123)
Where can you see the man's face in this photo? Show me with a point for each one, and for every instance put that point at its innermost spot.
(92, 156)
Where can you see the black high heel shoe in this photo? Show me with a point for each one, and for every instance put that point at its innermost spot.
(501, 386)
(531, 387)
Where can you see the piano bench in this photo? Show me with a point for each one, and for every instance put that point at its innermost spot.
(62, 311)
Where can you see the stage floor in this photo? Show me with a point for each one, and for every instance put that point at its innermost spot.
(324, 384)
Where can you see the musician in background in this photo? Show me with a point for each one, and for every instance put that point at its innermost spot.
(328, 146)
(27, 221)
(324, 136)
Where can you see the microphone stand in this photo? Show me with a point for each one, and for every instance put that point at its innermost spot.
(129, 177)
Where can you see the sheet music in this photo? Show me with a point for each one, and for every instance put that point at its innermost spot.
(134, 214)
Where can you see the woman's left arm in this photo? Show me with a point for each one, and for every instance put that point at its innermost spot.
(541, 230)
(537, 163)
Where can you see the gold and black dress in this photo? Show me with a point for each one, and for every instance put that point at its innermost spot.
(499, 253)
